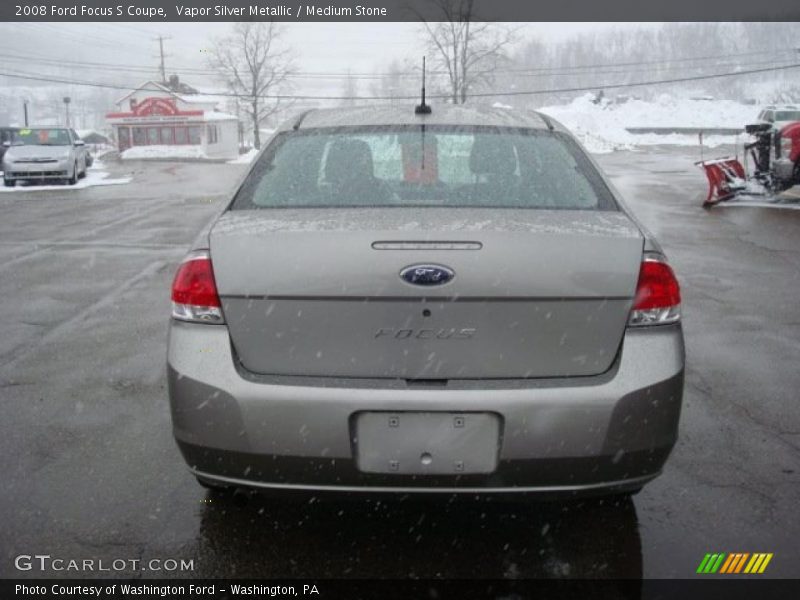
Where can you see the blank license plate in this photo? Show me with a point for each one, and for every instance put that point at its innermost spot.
(427, 443)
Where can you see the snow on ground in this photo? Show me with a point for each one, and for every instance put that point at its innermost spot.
(95, 176)
(244, 159)
(603, 127)
(756, 204)
(139, 152)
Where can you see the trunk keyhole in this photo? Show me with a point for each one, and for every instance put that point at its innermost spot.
(426, 313)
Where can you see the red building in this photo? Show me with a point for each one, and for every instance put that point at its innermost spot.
(178, 124)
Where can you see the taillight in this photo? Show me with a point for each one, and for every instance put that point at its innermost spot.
(194, 292)
(785, 147)
(658, 295)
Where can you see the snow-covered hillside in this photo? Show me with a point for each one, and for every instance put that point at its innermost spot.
(603, 127)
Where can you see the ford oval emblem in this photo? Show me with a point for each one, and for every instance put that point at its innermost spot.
(427, 274)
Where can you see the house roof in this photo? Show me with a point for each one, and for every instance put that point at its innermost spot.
(155, 87)
(183, 94)
(200, 98)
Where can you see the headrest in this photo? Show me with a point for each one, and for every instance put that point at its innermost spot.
(348, 160)
(492, 154)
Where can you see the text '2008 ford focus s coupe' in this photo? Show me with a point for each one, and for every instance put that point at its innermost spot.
(445, 302)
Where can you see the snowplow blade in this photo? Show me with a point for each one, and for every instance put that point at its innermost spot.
(726, 178)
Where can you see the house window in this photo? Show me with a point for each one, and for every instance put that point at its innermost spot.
(139, 136)
(194, 134)
(166, 136)
(181, 136)
(124, 137)
(152, 136)
(211, 134)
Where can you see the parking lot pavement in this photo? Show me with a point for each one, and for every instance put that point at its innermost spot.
(90, 469)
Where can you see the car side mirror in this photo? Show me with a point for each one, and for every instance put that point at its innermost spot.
(80, 143)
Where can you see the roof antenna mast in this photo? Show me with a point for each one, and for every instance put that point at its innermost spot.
(422, 108)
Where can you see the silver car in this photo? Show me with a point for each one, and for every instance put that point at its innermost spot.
(449, 302)
(44, 154)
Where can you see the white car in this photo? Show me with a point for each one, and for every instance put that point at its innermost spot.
(44, 154)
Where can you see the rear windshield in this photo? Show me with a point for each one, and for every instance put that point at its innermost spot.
(431, 166)
(787, 115)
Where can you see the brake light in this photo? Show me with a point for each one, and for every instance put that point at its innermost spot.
(658, 295)
(786, 146)
(194, 292)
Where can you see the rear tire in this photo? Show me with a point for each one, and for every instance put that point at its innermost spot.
(9, 182)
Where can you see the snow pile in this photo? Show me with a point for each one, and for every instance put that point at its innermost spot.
(139, 152)
(95, 176)
(603, 127)
(215, 115)
(244, 159)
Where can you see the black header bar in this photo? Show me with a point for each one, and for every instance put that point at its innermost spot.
(734, 588)
(395, 10)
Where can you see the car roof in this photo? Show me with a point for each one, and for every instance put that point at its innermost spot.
(403, 114)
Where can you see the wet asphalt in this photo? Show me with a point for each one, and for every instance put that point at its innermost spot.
(90, 470)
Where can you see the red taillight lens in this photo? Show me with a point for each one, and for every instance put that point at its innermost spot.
(658, 295)
(194, 291)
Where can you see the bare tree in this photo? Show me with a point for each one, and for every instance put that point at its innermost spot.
(349, 90)
(254, 65)
(466, 50)
(398, 79)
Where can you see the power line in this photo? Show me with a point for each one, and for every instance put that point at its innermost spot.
(148, 71)
(438, 96)
(544, 71)
(650, 62)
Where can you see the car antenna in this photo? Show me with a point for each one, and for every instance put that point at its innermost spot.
(422, 108)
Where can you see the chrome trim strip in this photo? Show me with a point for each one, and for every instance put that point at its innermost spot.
(412, 245)
(634, 482)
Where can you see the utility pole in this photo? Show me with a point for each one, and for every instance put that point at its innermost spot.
(162, 67)
(25, 111)
(67, 100)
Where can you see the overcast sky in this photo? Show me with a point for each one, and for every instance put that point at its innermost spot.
(326, 47)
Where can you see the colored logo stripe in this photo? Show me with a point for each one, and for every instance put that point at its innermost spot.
(758, 563)
(711, 563)
(734, 563)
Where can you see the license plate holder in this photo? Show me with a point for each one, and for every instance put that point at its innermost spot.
(427, 443)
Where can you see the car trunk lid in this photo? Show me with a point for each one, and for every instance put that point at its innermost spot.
(535, 293)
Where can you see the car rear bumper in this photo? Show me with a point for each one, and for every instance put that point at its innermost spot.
(611, 432)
